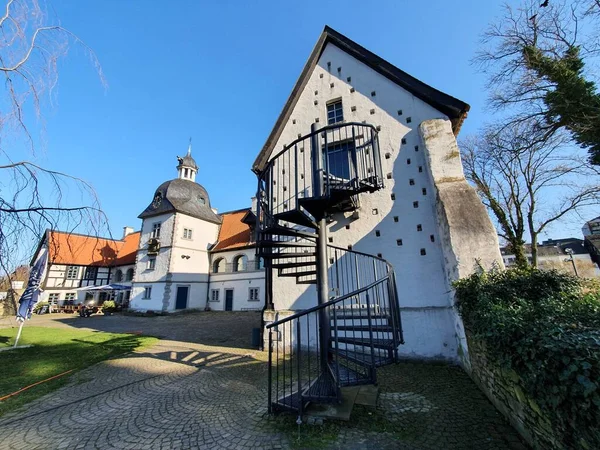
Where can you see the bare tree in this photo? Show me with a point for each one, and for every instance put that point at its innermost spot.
(540, 63)
(527, 181)
(34, 198)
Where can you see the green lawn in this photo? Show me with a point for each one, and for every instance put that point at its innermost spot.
(54, 351)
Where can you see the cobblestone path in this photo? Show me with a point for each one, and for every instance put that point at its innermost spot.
(191, 395)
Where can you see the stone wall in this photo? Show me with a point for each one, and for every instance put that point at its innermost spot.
(504, 389)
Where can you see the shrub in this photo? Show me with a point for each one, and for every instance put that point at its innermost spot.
(109, 306)
(544, 325)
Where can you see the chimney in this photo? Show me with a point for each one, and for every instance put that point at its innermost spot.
(126, 231)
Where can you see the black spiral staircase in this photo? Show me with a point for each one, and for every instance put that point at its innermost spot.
(355, 326)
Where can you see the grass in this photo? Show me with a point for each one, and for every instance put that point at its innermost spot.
(363, 419)
(54, 351)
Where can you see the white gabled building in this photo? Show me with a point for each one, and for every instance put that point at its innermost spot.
(426, 221)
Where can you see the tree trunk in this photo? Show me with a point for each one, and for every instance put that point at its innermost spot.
(534, 250)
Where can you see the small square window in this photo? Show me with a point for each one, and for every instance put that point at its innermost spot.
(416, 148)
(389, 176)
(330, 239)
(294, 121)
(399, 112)
(415, 204)
(393, 196)
(420, 168)
(147, 293)
(331, 85)
(379, 255)
(374, 211)
(316, 102)
(408, 161)
(253, 294)
(151, 264)
(377, 233)
(187, 233)
(403, 141)
(347, 227)
(395, 218)
(352, 90)
(411, 182)
(372, 111)
(331, 260)
(335, 113)
(72, 272)
(419, 227)
(353, 108)
(388, 155)
(373, 93)
(424, 191)
(378, 127)
(349, 79)
(408, 120)
(339, 69)
(214, 295)
(316, 120)
(398, 242)
(432, 238)
(423, 252)
(320, 75)
(349, 247)
(316, 92)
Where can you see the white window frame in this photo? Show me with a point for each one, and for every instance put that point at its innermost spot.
(212, 295)
(256, 297)
(54, 297)
(151, 265)
(147, 293)
(70, 274)
(70, 296)
(187, 233)
(155, 230)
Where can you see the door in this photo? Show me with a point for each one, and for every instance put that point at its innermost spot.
(182, 297)
(228, 299)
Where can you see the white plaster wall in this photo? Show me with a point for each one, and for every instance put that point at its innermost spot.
(421, 279)
(240, 282)
(204, 234)
(155, 303)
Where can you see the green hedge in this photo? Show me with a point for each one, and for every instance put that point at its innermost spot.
(544, 325)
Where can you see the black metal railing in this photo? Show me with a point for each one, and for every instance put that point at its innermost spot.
(339, 157)
(365, 332)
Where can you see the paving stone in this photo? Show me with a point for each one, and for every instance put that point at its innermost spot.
(149, 400)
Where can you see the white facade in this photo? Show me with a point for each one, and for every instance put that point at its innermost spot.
(403, 222)
(180, 262)
(246, 281)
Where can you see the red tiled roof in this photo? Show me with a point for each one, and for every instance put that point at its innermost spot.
(233, 232)
(82, 250)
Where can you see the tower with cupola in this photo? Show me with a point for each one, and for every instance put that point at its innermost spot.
(178, 228)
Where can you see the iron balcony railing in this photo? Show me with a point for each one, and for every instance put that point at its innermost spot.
(339, 157)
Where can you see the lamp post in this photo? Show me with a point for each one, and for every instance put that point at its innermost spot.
(569, 252)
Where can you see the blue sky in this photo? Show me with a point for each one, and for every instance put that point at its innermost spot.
(220, 72)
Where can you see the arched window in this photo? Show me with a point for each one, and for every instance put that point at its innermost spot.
(240, 263)
(119, 275)
(261, 263)
(129, 275)
(219, 266)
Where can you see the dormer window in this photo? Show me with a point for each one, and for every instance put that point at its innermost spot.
(335, 112)
(202, 200)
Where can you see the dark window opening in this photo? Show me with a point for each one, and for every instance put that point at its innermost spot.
(335, 112)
